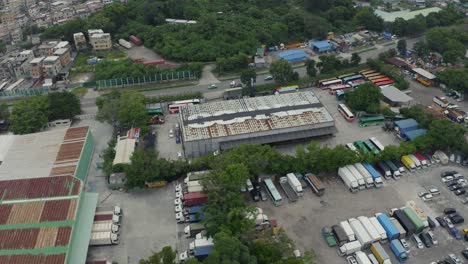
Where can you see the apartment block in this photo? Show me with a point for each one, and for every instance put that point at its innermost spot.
(80, 41)
(37, 68)
(99, 40)
(52, 66)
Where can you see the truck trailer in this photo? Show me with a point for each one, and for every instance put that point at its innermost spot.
(103, 238)
(340, 235)
(441, 156)
(349, 248)
(195, 198)
(405, 222)
(348, 179)
(194, 189)
(384, 169)
(348, 230)
(362, 258)
(315, 184)
(360, 232)
(292, 195)
(358, 176)
(414, 218)
(379, 228)
(390, 229)
(367, 176)
(370, 229)
(196, 175)
(408, 162)
(103, 226)
(380, 253)
(194, 210)
(398, 250)
(193, 229)
(201, 242)
(375, 175)
(394, 169)
(415, 160)
(422, 159)
(295, 184)
(400, 228)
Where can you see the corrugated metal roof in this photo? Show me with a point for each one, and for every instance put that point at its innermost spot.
(124, 151)
(413, 134)
(424, 73)
(406, 123)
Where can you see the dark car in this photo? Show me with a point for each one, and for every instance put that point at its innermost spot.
(455, 187)
(452, 183)
(459, 192)
(447, 173)
(441, 221)
(431, 223)
(449, 211)
(454, 232)
(465, 253)
(426, 239)
(255, 195)
(466, 237)
(457, 219)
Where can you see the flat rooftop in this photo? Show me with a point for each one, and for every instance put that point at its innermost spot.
(250, 115)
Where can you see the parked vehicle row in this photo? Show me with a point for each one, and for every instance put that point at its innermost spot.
(106, 226)
(455, 182)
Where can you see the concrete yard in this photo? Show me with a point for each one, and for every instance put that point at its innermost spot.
(304, 220)
(165, 145)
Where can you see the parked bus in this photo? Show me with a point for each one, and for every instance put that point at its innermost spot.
(175, 107)
(334, 88)
(356, 81)
(371, 121)
(423, 81)
(273, 192)
(340, 95)
(326, 84)
(371, 147)
(376, 77)
(287, 89)
(346, 75)
(386, 83)
(352, 78)
(372, 74)
(355, 85)
(360, 145)
(347, 114)
(380, 80)
(377, 143)
(367, 72)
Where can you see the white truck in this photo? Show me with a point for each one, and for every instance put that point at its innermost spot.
(366, 174)
(261, 219)
(379, 228)
(102, 226)
(103, 238)
(360, 232)
(196, 175)
(108, 213)
(192, 189)
(416, 161)
(441, 157)
(362, 258)
(358, 176)
(370, 229)
(201, 242)
(441, 101)
(295, 184)
(125, 44)
(349, 248)
(348, 230)
(348, 179)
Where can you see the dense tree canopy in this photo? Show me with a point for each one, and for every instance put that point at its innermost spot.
(63, 105)
(365, 98)
(454, 78)
(281, 71)
(29, 115)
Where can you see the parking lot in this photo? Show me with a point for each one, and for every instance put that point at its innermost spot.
(304, 220)
(166, 145)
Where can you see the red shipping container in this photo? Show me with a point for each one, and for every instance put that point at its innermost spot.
(195, 198)
(135, 40)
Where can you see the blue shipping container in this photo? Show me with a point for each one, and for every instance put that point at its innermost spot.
(390, 228)
(195, 219)
(201, 253)
(398, 250)
(195, 209)
(375, 174)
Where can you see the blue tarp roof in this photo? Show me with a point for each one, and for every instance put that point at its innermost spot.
(292, 55)
(321, 45)
(413, 134)
(406, 123)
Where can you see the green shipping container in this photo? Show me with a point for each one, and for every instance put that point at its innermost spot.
(413, 217)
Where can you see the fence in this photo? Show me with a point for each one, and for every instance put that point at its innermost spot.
(23, 93)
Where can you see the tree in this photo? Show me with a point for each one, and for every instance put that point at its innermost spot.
(166, 256)
(247, 76)
(281, 71)
(365, 98)
(401, 46)
(124, 111)
(265, 252)
(29, 115)
(63, 105)
(454, 78)
(310, 68)
(4, 112)
(329, 64)
(419, 114)
(421, 48)
(445, 134)
(365, 16)
(229, 249)
(355, 59)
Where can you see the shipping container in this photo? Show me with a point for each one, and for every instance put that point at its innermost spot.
(360, 232)
(413, 217)
(390, 228)
(370, 229)
(405, 222)
(195, 198)
(135, 40)
(380, 253)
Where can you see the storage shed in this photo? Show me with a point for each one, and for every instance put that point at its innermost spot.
(405, 125)
(413, 134)
(395, 97)
(321, 46)
(292, 55)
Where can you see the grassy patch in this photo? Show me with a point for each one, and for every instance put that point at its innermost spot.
(80, 90)
(365, 50)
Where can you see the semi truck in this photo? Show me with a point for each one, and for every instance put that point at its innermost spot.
(390, 229)
(362, 258)
(379, 228)
(375, 175)
(201, 242)
(125, 44)
(384, 169)
(405, 222)
(295, 184)
(358, 176)
(394, 169)
(399, 165)
(408, 162)
(194, 210)
(194, 189)
(348, 179)
(415, 220)
(195, 198)
(116, 210)
(193, 229)
(103, 226)
(367, 176)
(380, 253)
(283, 181)
(398, 250)
(421, 159)
(107, 216)
(340, 235)
(398, 226)
(103, 238)
(348, 230)
(196, 175)
(370, 229)
(441, 156)
(415, 160)
(200, 253)
(315, 184)
(349, 248)
(360, 232)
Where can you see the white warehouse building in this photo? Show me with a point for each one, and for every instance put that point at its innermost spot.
(219, 126)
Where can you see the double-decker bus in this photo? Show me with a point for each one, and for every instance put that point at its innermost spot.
(352, 78)
(377, 143)
(273, 192)
(380, 80)
(326, 83)
(371, 147)
(386, 83)
(361, 147)
(371, 120)
(175, 107)
(334, 88)
(345, 112)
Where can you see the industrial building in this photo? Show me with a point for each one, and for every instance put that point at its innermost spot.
(219, 126)
(292, 55)
(45, 214)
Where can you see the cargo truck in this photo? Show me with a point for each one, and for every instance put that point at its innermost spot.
(421, 159)
(399, 165)
(384, 169)
(193, 229)
(405, 222)
(390, 229)
(194, 210)
(441, 101)
(357, 176)
(360, 232)
(349, 248)
(380, 253)
(315, 184)
(348, 230)
(283, 181)
(362, 258)
(295, 184)
(196, 175)
(200, 253)
(456, 115)
(340, 235)
(398, 226)
(135, 40)
(398, 250)
(103, 238)
(196, 198)
(194, 189)
(375, 175)
(441, 156)
(415, 160)
(379, 228)
(125, 44)
(408, 162)
(259, 217)
(370, 229)
(201, 242)
(105, 226)
(348, 179)
(107, 216)
(367, 176)
(116, 210)
(415, 220)
(394, 169)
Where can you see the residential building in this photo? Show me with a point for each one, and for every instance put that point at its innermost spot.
(99, 40)
(36, 67)
(47, 48)
(63, 45)
(64, 56)
(22, 64)
(80, 41)
(52, 66)
(6, 68)
(16, 35)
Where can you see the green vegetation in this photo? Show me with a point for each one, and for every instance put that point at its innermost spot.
(282, 72)
(31, 114)
(311, 68)
(79, 91)
(166, 256)
(455, 78)
(401, 46)
(365, 97)
(448, 42)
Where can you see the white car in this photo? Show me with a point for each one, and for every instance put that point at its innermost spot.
(447, 179)
(449, 223)
(433, 237)
(178, 208)
(178, 187)
(455, 258)
(462, 182)
(171, 133)
(179, 195)
(422, 194)
(351, 260)
(434, 191)
(177, 201)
